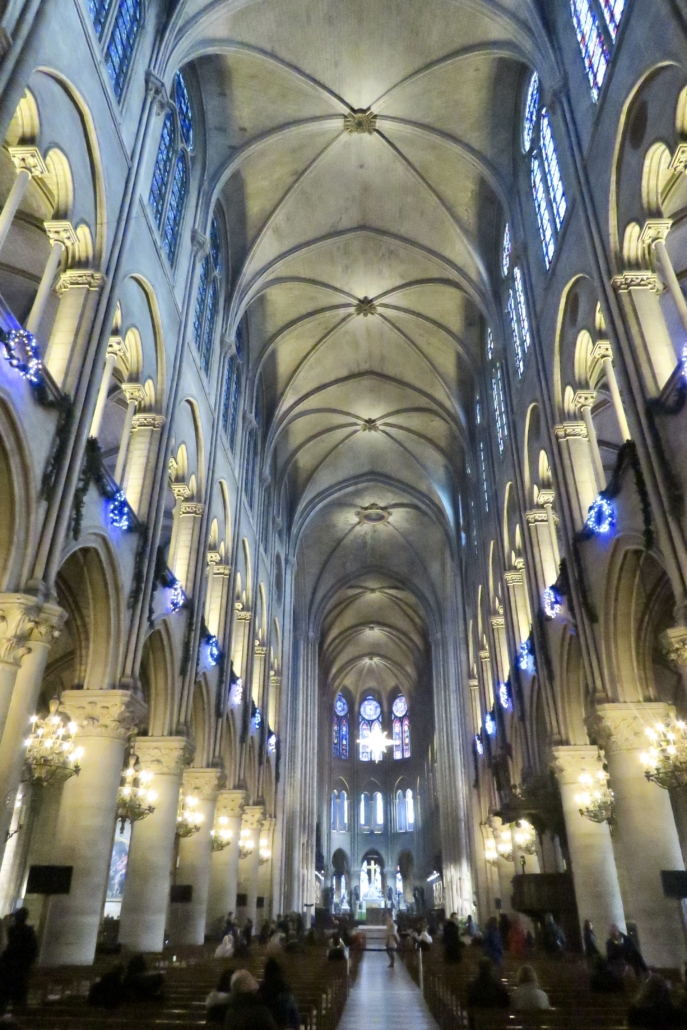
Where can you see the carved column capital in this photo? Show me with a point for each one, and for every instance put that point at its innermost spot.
(103, 713)
(655, 229)
(61, 231)
(193, 508)
(536, 517)
(156, 89)
(571, 431)
(28, 159)
(674, 646)
(23, 621)
(513, 577)
(134, 393)
(147, 420)
(569, 763)
(200, 243)
(204, 784)
(230, 803)
(180, 490)
(80, 279)
(164, 756)
(252, 817)
(637, 279)
(621, 726)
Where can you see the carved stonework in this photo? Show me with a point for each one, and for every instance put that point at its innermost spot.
(103, 713)
(156, 89)
(134, 393)
(365, 307)
(28, 159)
(203, 783)
(252, 817)
(80, 279)
(24, 621)
(655, 229)
(260, 651)
(571, 431)
(164, 756)
(361, 121)
(674, 646)
(637, 280)
(484, 655)
(194, 508)
(61, 232)
(146, 420)
(243, 616)
(498, 622)
(180, 490)
(513, 578)
(200, 243)
(678, 163)
(546, 497)
(230, 803)
(622, 726)
(569, 763)
(537, 517)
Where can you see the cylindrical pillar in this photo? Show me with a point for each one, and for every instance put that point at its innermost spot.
(61, 234)
(589, 844)
(249, 866)
(224, 865)
(28, 162)
(647, 837)
(86, 822)
(616, 398)
(100, 403)
(149, 870)
(135, 395)
(670, 279)
(187, 919)
(585, 401)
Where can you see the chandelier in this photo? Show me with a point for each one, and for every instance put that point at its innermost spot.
(665, 763)
(490, 852)
(189, 819)
(524, 836)
(135, 799)
(377, 741)
(265, 854)
(246, 844)
(505, 845)
(596, 799)
(221, 834)
(50, 751)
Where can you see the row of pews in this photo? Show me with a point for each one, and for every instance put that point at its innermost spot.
(566, 982)
(58, 997)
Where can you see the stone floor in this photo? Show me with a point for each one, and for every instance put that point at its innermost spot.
(385, 999)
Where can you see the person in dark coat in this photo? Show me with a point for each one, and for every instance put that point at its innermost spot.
(492, 943)
(487, 991)
(16, 961)
(141, 985)
(276, 994)
(621, 952)
(245, 1010)
(108, 991)
(591, 950)
(452, 942)
(217, 1001)
(248, 932)
(653, 1007)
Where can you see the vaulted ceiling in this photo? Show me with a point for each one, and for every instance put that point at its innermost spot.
(362, 150)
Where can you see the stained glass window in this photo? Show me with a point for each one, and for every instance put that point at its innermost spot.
(490, 345)
(199, 313)
(99, 10)
(398, 739)
(497, 413)
(340, 728)
(163, 167)
(613, 12)
(513, 318)
(552, 169)
(234, 416)
(183, 105)
(401, 728)
(215, 246)
(410, 810)
(226, 396)
(401, 822)
(370, 715)
(543, 216)
(505, 250)
(592, 44)
(175, 208)
(210, 320)
(483, 465)
(502, 399)
(531, 108)
(406, 737)
(120, 48)
(522, 308)
(478, 412)
(251, 466)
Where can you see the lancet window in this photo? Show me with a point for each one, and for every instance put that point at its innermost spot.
(169, 185)
(207, 299)
(590, 38)
(117, 26)
(401, 727)
(340, 728)
(405, 811)
(339, 811)
(545, 174)
(370, 716)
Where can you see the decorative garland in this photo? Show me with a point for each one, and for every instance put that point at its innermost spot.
(627, 458)
(188, 639)
(92, 471)
(61, 441)
(161, 577)
(546, 657)
(140, 562)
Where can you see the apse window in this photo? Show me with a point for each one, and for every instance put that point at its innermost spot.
(401, 728)
(378, 812)
(340, 728)
(365, 817)
(548, 193)
(370, 717)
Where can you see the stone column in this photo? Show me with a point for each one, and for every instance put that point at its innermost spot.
(591, 850)
(29, 163)
(78, 290)
(187, 920)
(639, 290)
(114, 349)
(674, 645)
(135, 395)
(584, 401)
(61, 235)
(653, 236)
(545, 565)
(248, 866)
(517, 595)
(266, 866)
(217, 597)
(224, 865)
(86, 822)
(647, 838)
(141, 458)
(19, 620)
(151, 855)
(43, 624)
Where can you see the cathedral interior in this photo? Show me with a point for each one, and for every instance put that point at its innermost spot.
(343, 461)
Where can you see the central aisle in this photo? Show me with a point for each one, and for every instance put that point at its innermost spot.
(385, 999)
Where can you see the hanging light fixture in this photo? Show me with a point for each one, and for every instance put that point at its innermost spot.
(221, 834)
(189, 819)
(51, 754)
(490, 852)
(596, 799)
(265, 854)
(504, 846)
(665, 762)
(246, 844)
(377, 742)
(525, 837)
(135, 800)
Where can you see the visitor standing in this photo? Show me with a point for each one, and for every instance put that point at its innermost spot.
(392, 940)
